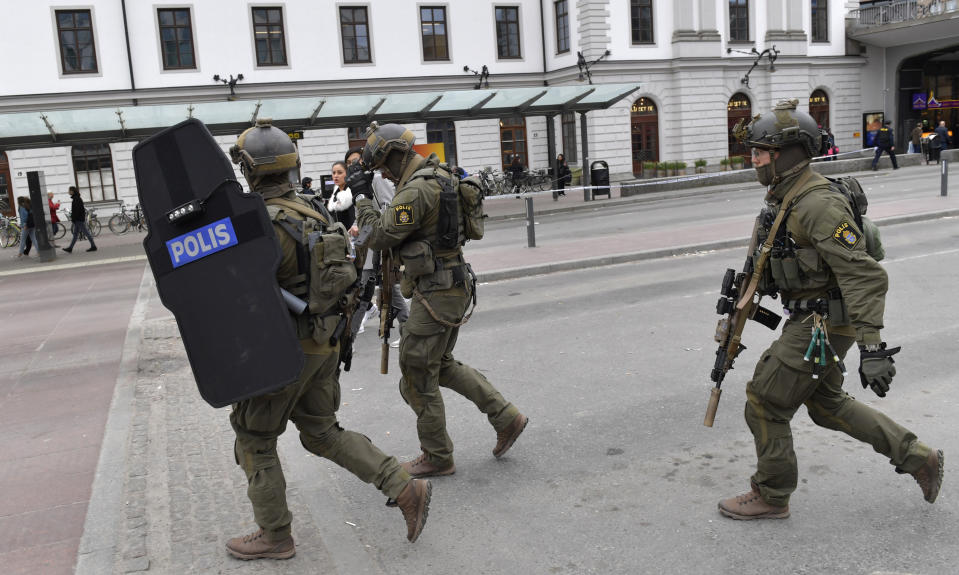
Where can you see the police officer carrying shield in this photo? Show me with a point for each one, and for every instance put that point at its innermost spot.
(835, 295)
(442, 286)
(266, 156)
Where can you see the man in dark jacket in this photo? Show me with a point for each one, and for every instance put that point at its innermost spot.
(885, 142)
(78, 216)
(941, 141)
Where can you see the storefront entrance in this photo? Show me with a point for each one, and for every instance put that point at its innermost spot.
(644, 118)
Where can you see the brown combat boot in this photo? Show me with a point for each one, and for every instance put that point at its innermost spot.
(929, 476)
(751, 506)
(506, 438)
(414, 502)
(257, 546)
(421, 467)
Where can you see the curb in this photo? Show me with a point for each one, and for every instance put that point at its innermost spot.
(541, 269)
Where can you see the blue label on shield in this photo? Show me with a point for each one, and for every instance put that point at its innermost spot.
(201, 242)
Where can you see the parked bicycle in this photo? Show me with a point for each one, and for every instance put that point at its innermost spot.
(122, 222)
(9, 231)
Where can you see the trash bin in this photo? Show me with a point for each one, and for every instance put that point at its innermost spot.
(599, 178)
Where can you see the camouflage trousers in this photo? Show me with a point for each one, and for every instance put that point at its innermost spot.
(426, 361)
(310, 403)
(782, 382)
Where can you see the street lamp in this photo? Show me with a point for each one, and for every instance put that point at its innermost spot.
(584, 66)
(482, 79)
(770, 53)
(231, 83)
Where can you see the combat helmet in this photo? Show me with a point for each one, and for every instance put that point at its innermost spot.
(388, 149)
(263, 150)
(784, 127)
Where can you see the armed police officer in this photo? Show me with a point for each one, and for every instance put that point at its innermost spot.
(266, 157)
(834, 293)
(442, 285)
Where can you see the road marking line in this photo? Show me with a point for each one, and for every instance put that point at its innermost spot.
(75, 265)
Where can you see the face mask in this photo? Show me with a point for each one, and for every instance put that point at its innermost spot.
(766, 174)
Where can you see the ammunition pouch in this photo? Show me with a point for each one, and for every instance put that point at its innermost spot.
(417, 258)
(450, 272)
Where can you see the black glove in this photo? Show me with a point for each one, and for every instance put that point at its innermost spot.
(876, 369)
(359, 181)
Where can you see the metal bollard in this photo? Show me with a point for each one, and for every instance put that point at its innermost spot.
(530, 224)
(944, 185)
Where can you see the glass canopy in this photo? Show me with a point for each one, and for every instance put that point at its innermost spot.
(60, 127)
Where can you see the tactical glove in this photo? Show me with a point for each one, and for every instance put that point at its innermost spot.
(876, 368)
(359, 181)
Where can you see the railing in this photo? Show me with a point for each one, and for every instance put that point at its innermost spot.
(897, 11)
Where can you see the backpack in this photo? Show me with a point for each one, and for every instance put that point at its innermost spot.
(325, 261)
(850, 188)
(461, 207)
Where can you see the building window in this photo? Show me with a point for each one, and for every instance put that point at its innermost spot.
(739, 20)
(512, 136)
(176, 38)
(356, 137)
(641, 21)
(443, 132)
(562, 26)
(78, 55)
(820, 20)
(93, 167)
(434, 29)
(355, 33)
(269, 37)
(507, 32)
(569, 136)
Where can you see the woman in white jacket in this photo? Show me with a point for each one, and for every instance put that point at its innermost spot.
(340, 203)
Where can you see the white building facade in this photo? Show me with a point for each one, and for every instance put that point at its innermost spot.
(689, 58)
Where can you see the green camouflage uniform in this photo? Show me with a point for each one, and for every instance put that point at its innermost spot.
(831, 252)
(426, 347)
(310, 403)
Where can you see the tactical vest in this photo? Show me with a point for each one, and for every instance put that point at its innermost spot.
(795, 268)
(885, 136)
(325, 265)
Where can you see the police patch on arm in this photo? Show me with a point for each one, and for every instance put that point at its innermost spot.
(403, 214)
(846, 234)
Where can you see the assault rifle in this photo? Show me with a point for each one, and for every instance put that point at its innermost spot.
(359, 296)
(388, 275)
(738, 302)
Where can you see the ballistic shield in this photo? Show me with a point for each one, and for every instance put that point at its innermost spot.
(214, 256)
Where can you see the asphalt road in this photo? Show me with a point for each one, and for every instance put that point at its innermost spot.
(616, 473)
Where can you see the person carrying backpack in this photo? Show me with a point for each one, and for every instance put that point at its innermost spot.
(817, 259)
(885, 142)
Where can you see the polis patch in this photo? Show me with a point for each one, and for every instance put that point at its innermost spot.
(846, 234)
(201, 242)
(403, 214)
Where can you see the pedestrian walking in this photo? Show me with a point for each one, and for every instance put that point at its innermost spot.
(28, 230)
(915, 139)
(941, 141)
(78, 219)
(823, 264)
(885, 142)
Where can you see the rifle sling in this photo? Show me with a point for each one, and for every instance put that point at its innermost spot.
(747, 295)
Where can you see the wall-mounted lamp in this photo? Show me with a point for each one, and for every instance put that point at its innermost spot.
(231, 83)
(584, 66)
(482, 80)
(770, 53)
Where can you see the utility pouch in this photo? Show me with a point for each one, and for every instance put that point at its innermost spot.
(447, 226)
(838, 314)
(436, 281)
(790, 271)
(776, 270)
(406, 286)
(417, 258)
(331, 268)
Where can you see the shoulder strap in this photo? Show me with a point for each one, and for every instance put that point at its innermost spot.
(300, 209)
(793, 194)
